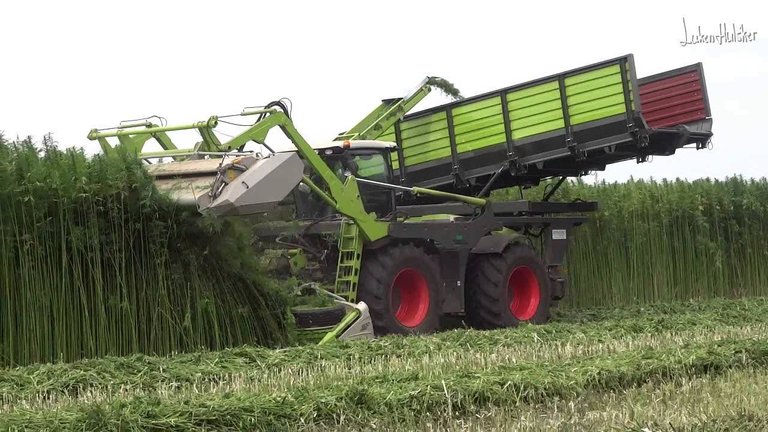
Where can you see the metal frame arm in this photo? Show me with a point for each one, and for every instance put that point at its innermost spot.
(135, 135)
(344, 196)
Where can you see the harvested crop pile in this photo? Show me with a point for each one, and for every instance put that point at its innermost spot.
(94, 262)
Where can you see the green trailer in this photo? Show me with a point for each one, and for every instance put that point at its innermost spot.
(561, 125)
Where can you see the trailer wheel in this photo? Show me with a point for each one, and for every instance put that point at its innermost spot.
(400, 285)
(505, 289)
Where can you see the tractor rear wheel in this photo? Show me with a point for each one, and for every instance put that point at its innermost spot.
(508, 288)
(400, 285)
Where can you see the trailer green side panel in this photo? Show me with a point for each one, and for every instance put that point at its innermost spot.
(535, 110)
(478, 125)
(595, 95)
(389, 136)
(556, 117)
(425, 139)
(562, 125)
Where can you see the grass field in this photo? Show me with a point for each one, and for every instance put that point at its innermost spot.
(664, 367)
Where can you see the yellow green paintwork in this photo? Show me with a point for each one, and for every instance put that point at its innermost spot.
(595, 95)
(431, 218)
(425, 139)
(341, 327)
(478, 125)
(350, 256)
(533, 110)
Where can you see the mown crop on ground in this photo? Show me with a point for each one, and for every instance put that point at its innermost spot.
(598, 368)
(94, 262)
(655, 241)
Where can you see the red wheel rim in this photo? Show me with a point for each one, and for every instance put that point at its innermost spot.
(410, 297)
(524, 293)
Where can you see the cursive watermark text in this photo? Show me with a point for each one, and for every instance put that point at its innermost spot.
(727, 33)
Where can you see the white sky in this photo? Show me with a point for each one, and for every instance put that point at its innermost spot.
(70, 66)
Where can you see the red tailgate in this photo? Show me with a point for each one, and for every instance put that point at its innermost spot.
(674, 97)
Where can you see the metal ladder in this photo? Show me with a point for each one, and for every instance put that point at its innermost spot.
(350, 257)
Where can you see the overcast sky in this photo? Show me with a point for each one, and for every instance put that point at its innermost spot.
(70, 66)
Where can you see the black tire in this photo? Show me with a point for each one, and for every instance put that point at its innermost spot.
(508, 288)
(391, 274)
(318, 317)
